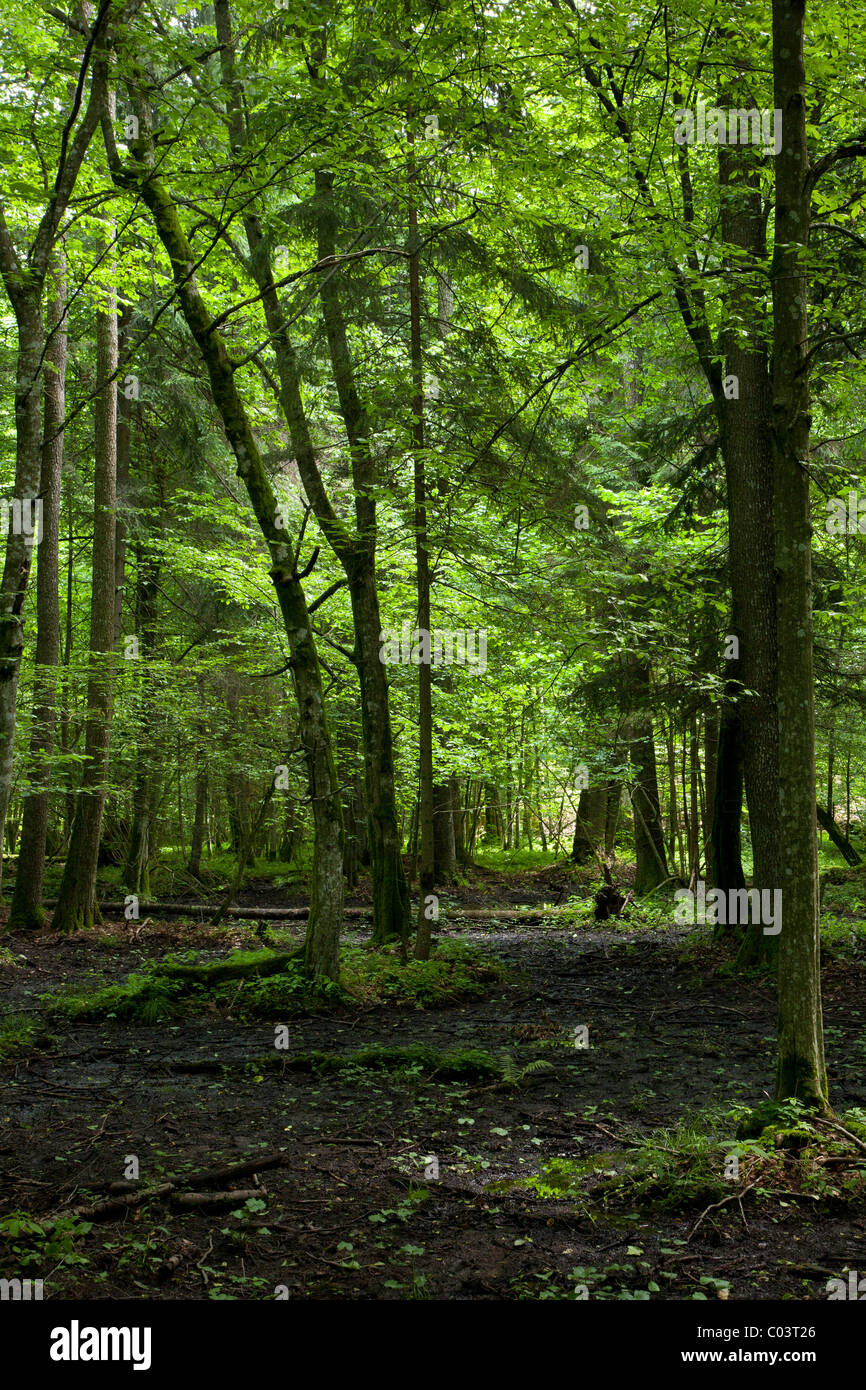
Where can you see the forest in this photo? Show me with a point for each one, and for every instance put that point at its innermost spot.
(432, 663)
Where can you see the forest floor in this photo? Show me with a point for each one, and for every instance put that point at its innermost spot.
(524, 1203)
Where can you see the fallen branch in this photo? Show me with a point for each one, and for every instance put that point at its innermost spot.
(356, 1142)
(732, 1197)
(113, 1206)
(215, 1177)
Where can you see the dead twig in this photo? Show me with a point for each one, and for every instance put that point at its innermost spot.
(831, 1124)
(733, 1196)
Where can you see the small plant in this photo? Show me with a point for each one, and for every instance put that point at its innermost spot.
(40, 1245)
(515, 1075)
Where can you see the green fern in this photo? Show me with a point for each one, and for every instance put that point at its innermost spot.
(514, 1075)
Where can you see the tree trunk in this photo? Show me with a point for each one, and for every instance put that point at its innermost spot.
(611, 819)
(27, 911)
(19, 547)
(444, 836)
(76, 902)
(24, 281)
(390, 890)
(745, 436)
(711, 742)
(651, 871)
(694, 826)
(847, 851)
(326, 905)
(427, 856)
(589, 823)
(355, 551)
(139, 852)
(196, 846)
(801, 1070)
(673, 809)
(460, 819)
(727, 807)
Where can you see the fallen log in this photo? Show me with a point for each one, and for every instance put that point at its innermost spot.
(209, 1200)
(260, 967)
(216, 1176)
(528, 915)
(113, 1206)
(206, 910)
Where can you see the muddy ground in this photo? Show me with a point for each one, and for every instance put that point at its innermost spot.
(349, 1212)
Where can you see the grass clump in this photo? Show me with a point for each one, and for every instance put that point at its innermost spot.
(20, 1034)
(144, 998)
(454, 972)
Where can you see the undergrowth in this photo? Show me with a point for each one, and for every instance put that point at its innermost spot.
(367, 978)
(700, 1162)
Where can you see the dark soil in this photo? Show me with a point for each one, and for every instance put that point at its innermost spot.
(350, 1213)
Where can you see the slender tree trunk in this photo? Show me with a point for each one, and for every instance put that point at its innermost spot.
(24, 281)
(19, 546)
(801, 1070)
(711, 741)
(652, 870)
(124, 450)
(390, 890)
(148, 754)
(611, 819)
(27, 910)
(196, 845)
(727, 807)
(76, 903)
(673, 810)
(444, 833)
(460, 820)
(66, 706)
(694, 822)
(427, 857)
(326, 904)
